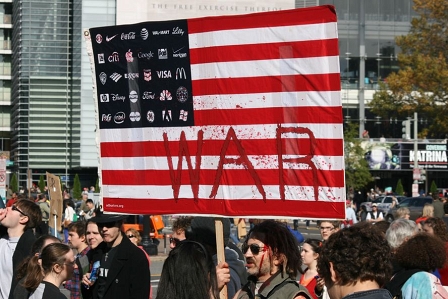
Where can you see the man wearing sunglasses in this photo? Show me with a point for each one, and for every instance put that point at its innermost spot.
(19, 219)
(272, 261)
(180, 226)
(124, 268)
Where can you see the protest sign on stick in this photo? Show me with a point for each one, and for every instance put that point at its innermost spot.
(227, 116)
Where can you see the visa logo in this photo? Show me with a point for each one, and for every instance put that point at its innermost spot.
(164, 74)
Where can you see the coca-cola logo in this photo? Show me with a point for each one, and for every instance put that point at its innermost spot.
(106, 117)
(119, 117)
(128, 36)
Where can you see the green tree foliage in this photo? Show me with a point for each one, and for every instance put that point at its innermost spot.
(399, 189)
(357, 175)
(97, 185)
(433, 188)
(421, 84)
(77, 192)
(41, 183)
(14, 183)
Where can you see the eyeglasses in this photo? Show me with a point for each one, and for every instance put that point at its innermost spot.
(106, 224)
(254, 248)
(130, 236)
(14, 208)
(329, 228)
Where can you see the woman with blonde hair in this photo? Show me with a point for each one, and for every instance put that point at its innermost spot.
(428, 211)
(47, 271)
(403, 213)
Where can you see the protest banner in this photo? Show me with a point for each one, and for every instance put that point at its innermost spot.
(231, 115)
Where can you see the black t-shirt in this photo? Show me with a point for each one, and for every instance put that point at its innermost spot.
(47, 290)
(106, 263)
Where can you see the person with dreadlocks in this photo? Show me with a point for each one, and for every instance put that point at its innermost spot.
(273, 262)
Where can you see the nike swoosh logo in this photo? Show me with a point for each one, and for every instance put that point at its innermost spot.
(176, 50)
(108, 39)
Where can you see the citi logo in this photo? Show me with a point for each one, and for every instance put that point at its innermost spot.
(115, 77)
(180, 73)
(114, 57)
(164, 74)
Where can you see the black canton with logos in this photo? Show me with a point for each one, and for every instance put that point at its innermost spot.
(143, 75)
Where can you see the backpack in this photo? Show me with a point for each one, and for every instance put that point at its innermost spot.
(398, 280)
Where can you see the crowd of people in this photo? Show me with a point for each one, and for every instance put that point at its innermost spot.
(95, 257)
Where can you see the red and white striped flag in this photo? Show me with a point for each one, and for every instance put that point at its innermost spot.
(233, 115)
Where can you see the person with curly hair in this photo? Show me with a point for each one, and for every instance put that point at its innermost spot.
(180, 226)
(355, 262)
(437, 227)
(418, 256)
(273, 262)
(310, 254)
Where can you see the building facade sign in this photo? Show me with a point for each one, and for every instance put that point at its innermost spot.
(401, 156)
(143, 11)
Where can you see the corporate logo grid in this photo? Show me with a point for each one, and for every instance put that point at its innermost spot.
(143, 75)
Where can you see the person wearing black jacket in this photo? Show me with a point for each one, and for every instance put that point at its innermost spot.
(124, 269)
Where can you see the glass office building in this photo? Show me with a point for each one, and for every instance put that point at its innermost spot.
(45, 96)
(384, 20)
